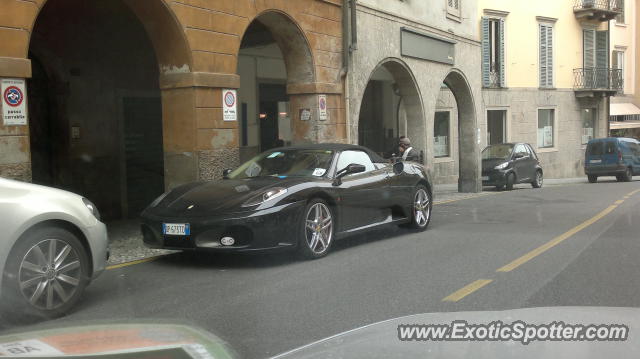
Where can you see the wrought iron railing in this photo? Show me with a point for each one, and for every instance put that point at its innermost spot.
(610, 5)
(592, 78)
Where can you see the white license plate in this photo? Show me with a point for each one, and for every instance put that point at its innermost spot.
(485, 178)
(595, 161)
(176, 229)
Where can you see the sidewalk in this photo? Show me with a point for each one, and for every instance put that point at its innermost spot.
(125, 240)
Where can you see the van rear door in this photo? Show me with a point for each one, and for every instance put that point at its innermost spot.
(595, 149)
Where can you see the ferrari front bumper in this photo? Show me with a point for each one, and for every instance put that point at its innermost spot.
(268, 229)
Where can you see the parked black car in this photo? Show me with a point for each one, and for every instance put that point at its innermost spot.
(300, 197)
(506, 164)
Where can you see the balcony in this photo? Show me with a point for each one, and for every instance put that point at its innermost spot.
(597, 10)
(597, 82)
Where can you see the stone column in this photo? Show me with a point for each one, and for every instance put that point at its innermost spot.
(198, 144)
(306, 96)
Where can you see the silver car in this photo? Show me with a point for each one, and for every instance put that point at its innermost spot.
(52, 244)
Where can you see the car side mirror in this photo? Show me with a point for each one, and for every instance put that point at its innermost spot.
(398, 167)
(225, 173)
(518, 156)
(350, 169)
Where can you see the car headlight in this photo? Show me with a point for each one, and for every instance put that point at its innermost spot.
(502, 166)
(265, 196)
(159, 199)
(92, 208)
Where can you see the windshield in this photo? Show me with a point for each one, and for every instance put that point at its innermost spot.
(286, 163)
(498, 152)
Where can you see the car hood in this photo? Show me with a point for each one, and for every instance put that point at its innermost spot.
(492, 162)
(205, 198)
(380, 340)
(117, 340)
(13, 188)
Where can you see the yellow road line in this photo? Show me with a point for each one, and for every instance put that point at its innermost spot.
(139, 261)
(543, 248)
(466, 290)
(618, 201)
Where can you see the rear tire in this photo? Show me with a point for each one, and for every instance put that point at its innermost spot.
(316, 230)
(46, 274)
(592, 178)
(510, 180)
(628, 175)
(421, 210)
(537, 182)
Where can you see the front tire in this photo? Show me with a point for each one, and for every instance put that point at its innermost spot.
(537, 182)
(421, 211)
(317, 229)
(46, 274)
(510, 180)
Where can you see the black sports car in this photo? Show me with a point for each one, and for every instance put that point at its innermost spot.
(300, 197)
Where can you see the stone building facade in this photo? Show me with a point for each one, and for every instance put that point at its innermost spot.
(121, 87)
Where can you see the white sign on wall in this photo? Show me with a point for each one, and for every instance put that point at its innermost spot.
(305, 114)
(229, 105)
(322, 108)
(14, 102)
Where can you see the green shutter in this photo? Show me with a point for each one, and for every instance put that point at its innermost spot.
(602, 59)
(549, 56)
(501, 49)
(486, 48)
(588, 48)
(543, 55)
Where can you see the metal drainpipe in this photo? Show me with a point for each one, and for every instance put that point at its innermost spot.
(349, 44)
(608, 99)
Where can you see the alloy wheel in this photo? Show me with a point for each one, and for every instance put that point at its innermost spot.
(539, 178)
(49, 274)
(319, 228)
(422, 208)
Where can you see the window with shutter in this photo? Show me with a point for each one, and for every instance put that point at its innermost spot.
(493, 52)
(546, 55)
(453, 8)
(620, 18)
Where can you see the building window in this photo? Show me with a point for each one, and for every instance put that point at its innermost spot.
(493, 52)
(496, 126)
(546, 55)
(595, 58)
(588, 124)
(545, 128)
(617, 64)
(453, 8)
(441, 133)
(620, 18)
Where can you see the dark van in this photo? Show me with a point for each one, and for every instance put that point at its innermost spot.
(613, 156)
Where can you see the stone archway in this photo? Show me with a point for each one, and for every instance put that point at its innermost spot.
(468, 146)
(406, 108)
(109, 126)
(275, 65)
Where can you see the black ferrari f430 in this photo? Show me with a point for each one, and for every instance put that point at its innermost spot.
(302, 197)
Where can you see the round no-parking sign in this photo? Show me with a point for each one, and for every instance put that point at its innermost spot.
(229, 105)
(13, 96)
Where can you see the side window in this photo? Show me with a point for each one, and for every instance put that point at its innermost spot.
(521, 149)
(358, 157)
(635, 149)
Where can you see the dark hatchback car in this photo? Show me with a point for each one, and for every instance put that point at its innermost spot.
(301, 197)
(506, 164)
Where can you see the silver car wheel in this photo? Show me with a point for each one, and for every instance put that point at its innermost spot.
(422, 208)
(318, 228)
(49, 274)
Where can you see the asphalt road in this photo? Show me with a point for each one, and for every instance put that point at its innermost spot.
(580, 247)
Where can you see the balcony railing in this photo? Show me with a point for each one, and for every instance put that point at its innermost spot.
(602, 10)
(598, 80)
